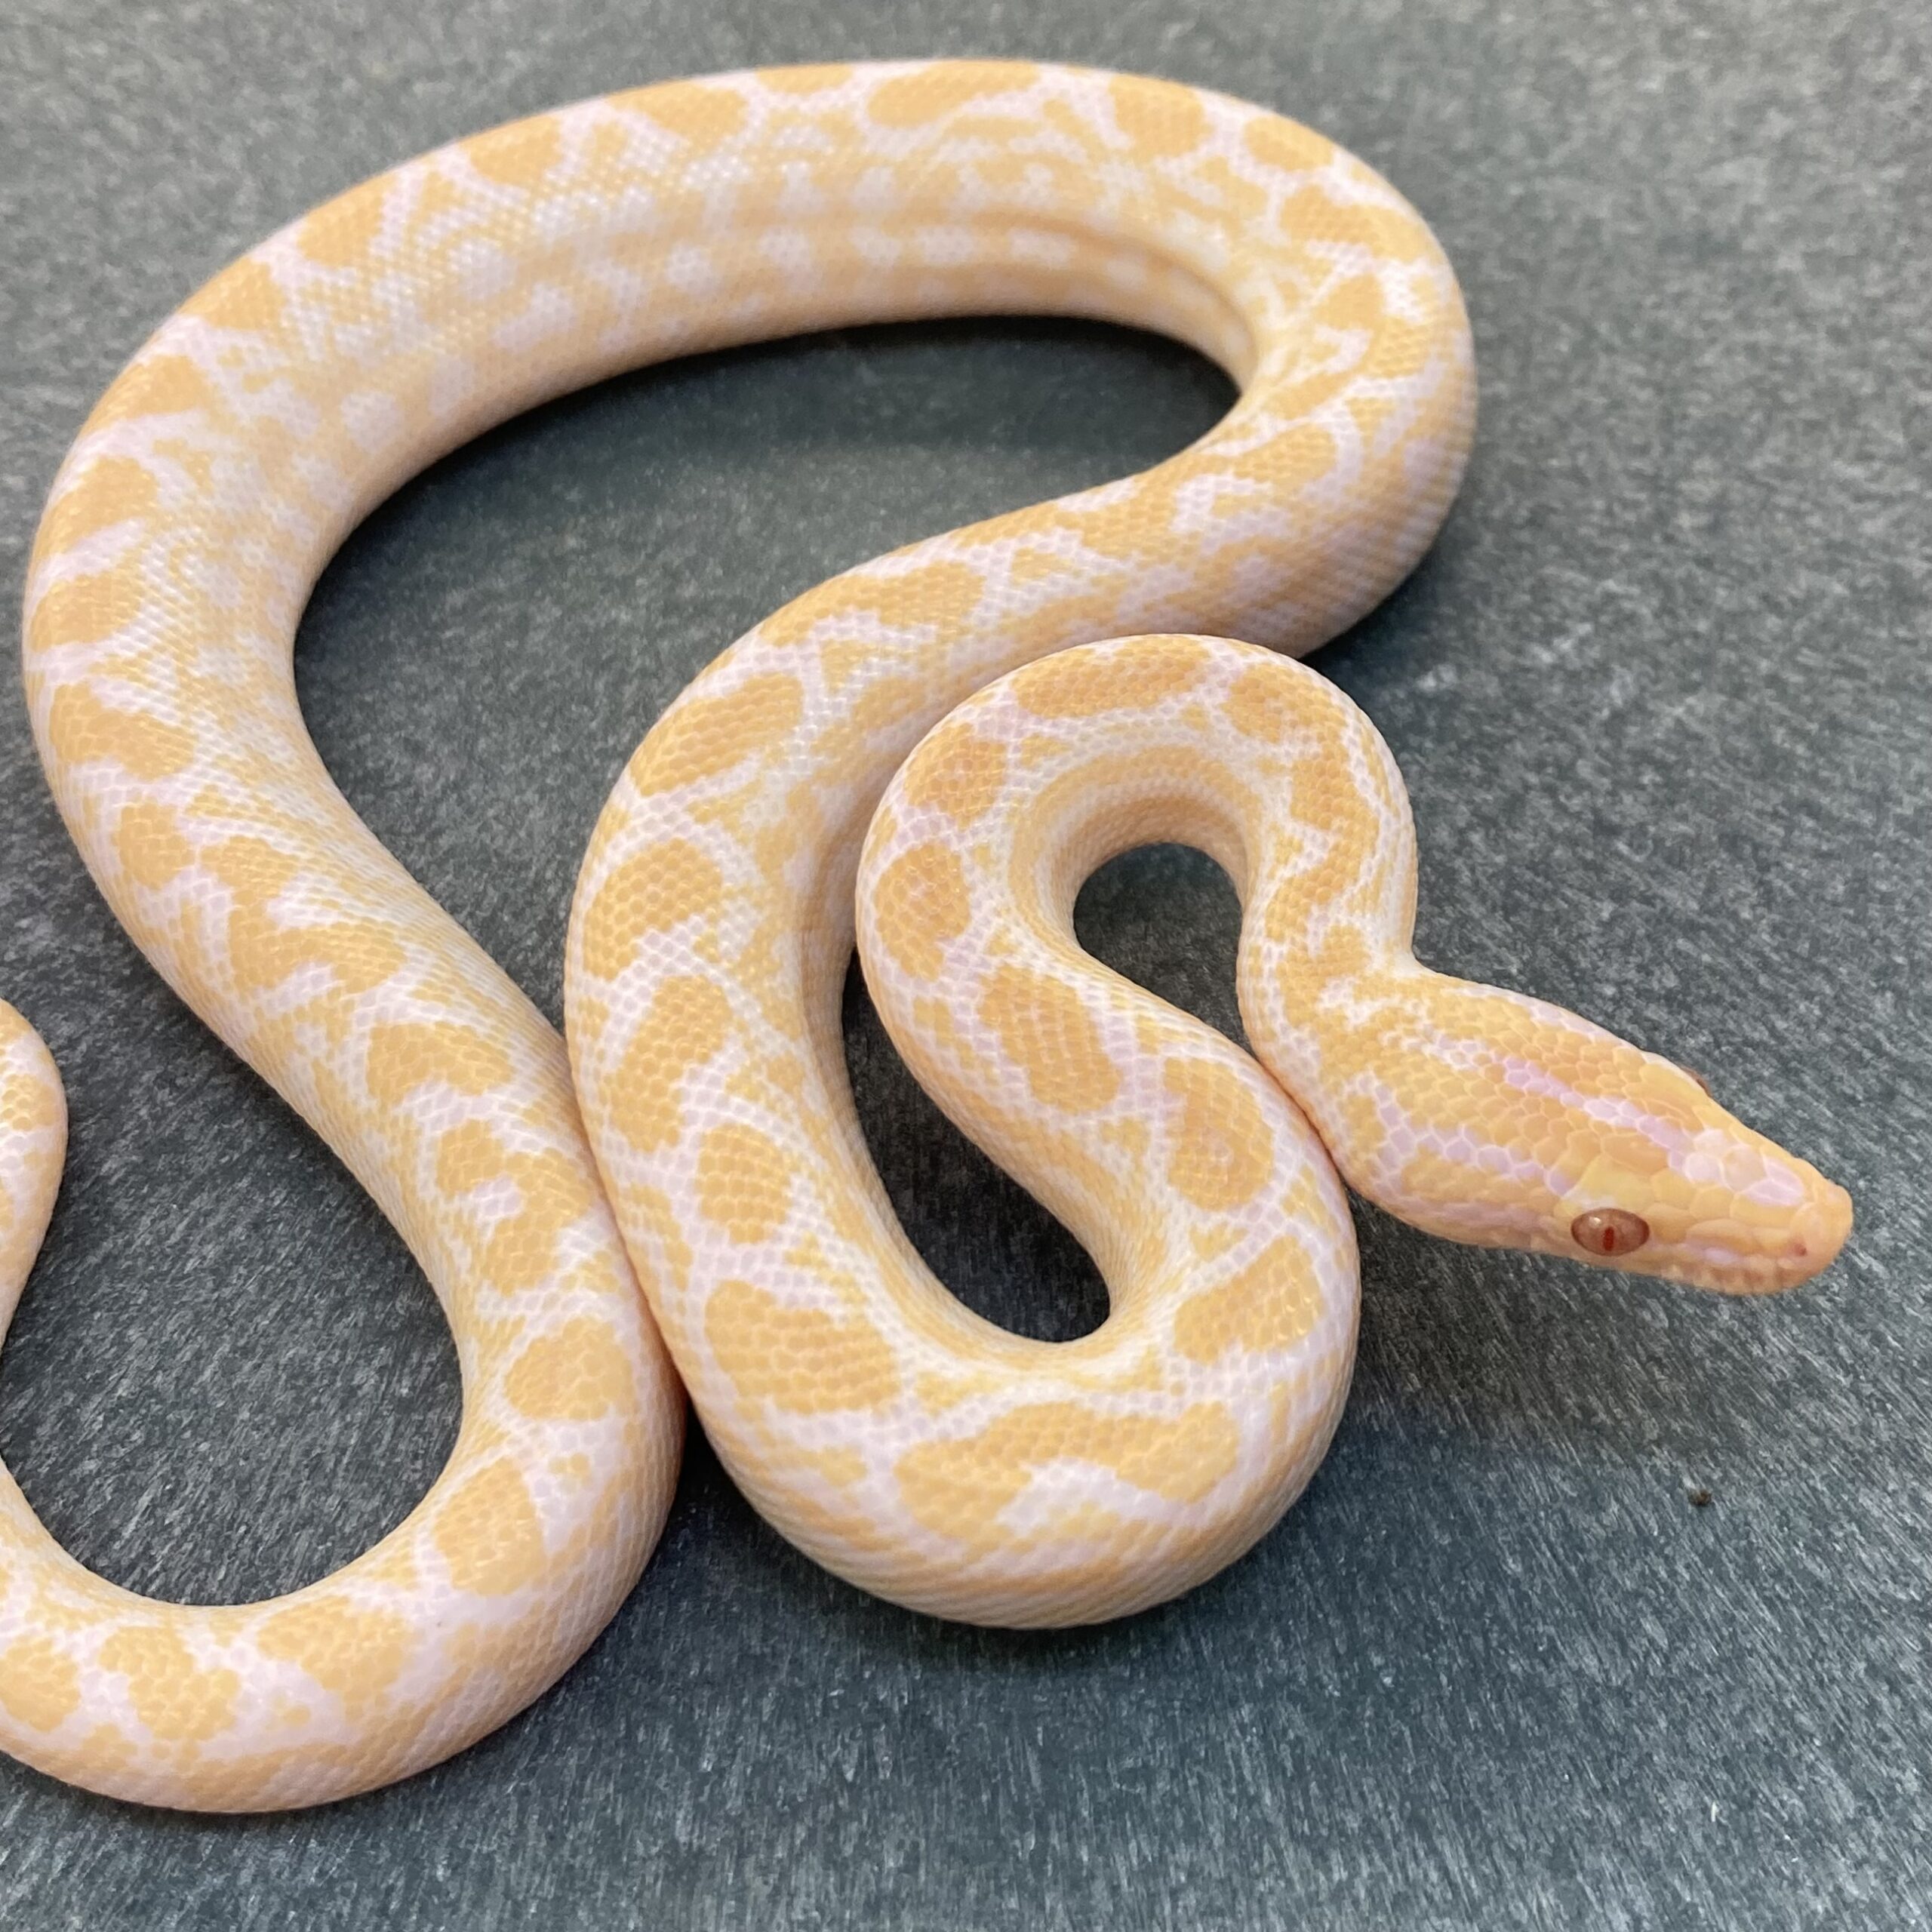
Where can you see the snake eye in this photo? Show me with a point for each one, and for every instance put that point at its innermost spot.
(1610, 1231)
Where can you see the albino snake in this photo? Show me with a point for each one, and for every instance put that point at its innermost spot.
(897, 1438)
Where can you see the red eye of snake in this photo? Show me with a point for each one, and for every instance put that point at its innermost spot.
(1610, 1231)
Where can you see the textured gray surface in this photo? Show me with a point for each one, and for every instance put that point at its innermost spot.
(1663, 698)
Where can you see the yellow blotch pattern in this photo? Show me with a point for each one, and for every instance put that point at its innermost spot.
(744, 1181)
(112, 489)
(488, 1534)
(801, 1360)
(245, 299)
(84, 730)
(938, 596)
(158, 384)
(1223, 1148)
(961, 775)
(1045, 1029)
(1287, 145)
(1272, 1303)
(149, 842)
(39, 1684)
(403, 1056)
(576, 1374)
(958, 1487)
(355, 1652)
(915, 100)
(26, 1105)
(1262, 707)
(1085, 685)
(1160, 121)
(341, 233)
(922, 901)
(519, 155)
(659, 889)
(174, 1697)
(703, 736)
(806, 80)
(704, 116)
(690, 1020)
(84, 610)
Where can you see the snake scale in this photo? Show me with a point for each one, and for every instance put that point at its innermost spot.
(928, 754)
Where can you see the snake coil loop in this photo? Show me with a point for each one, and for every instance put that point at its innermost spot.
(701, 1143)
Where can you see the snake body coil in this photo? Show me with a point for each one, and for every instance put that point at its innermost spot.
(701, 1142)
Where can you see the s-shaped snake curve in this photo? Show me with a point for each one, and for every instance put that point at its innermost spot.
(699, 1141)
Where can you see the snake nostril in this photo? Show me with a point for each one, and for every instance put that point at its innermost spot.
(1610, 1231)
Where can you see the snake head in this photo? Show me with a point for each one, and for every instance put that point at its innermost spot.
(1674, 1186)
(1488, 1117)
(1585, 1146)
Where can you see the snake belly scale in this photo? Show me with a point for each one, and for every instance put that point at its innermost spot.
(685, 1196)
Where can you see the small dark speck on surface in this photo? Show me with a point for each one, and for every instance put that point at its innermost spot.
(1663, 695)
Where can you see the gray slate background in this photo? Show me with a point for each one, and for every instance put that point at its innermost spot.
(1662, 696)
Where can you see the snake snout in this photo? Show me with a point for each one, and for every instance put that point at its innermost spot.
(1819, 1230)
(1788, 1224)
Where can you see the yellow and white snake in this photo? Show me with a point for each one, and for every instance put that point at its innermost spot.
(700, 1141)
